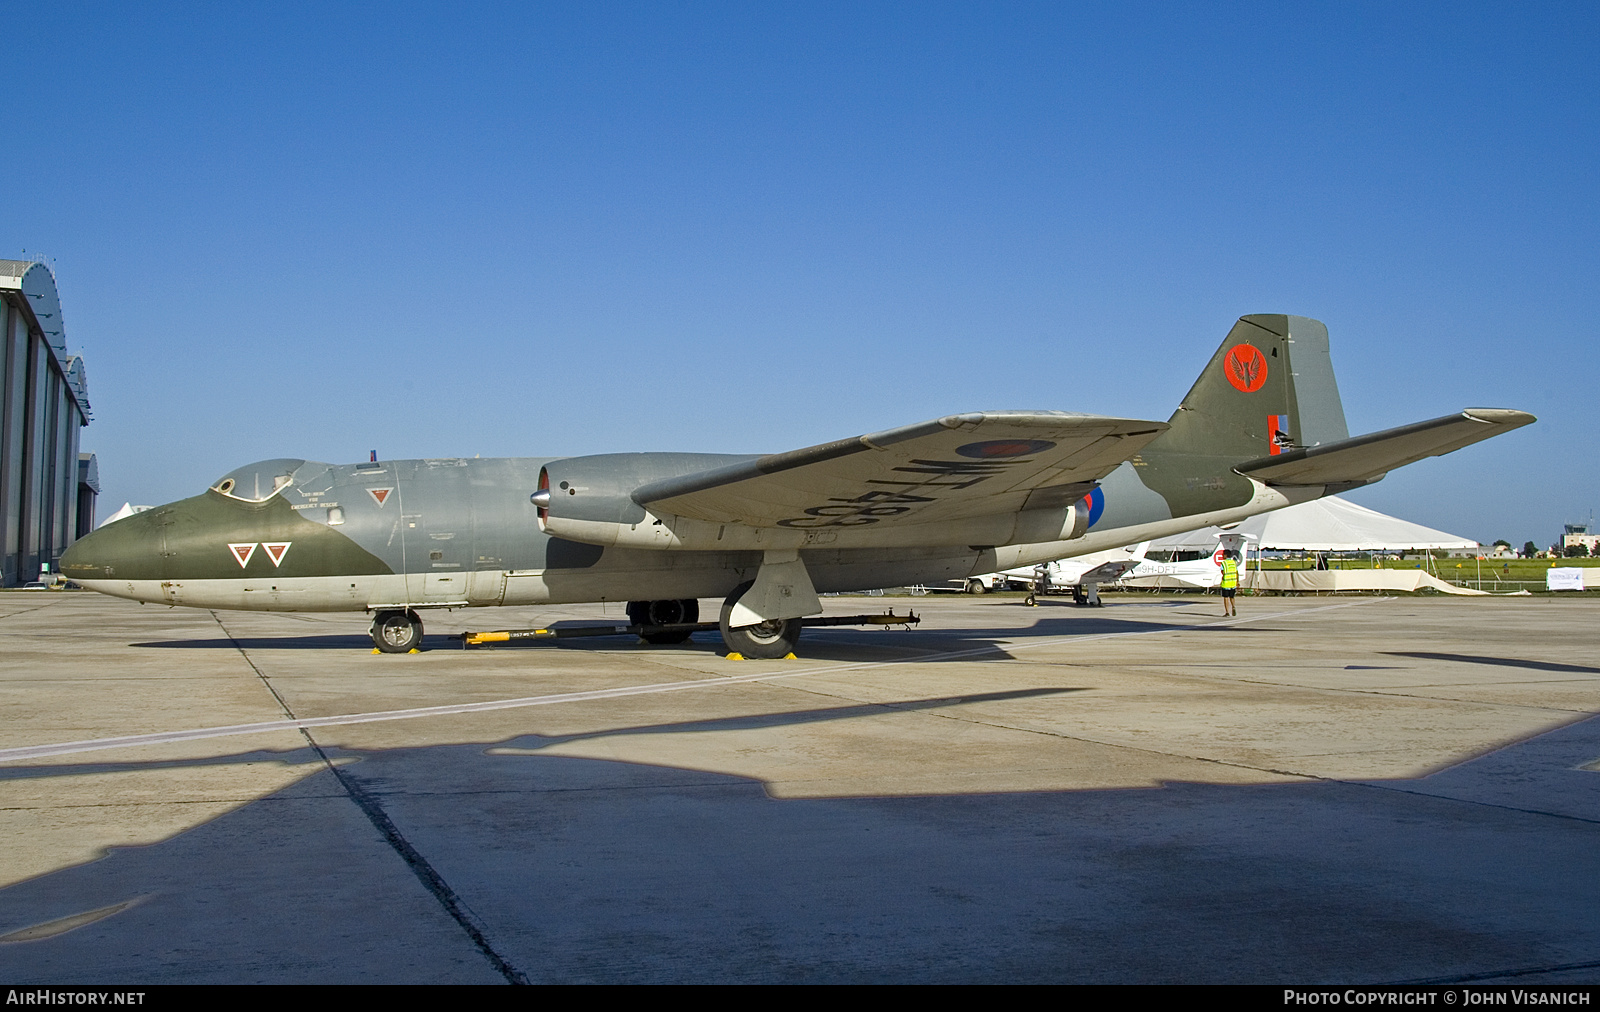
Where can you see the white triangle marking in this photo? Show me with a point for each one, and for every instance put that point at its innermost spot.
(276, 550)
(242, 553)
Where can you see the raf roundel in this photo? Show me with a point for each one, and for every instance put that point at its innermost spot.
(1096, 501)
(990, 449)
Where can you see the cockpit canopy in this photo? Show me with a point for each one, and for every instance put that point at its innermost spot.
(260, 481)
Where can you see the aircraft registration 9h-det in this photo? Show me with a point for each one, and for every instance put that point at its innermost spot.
(967, 494)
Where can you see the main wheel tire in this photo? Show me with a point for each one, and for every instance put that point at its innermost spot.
(766, 641)
(976, 587)
(397, 632)
(668, 612)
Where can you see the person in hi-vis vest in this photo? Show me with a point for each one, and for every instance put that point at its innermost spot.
(1230, 582)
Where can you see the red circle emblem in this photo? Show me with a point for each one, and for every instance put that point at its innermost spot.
(1245, 367)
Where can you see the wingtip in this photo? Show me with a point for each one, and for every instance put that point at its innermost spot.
(1508, 417)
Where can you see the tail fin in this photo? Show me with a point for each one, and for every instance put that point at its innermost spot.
(1268, 389)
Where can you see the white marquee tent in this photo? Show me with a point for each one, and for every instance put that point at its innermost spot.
(1329, 524)
(128, 509)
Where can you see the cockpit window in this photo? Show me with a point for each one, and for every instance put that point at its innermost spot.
(258, 482)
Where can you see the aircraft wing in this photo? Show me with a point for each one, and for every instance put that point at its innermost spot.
(1367, 458)
(950, 468)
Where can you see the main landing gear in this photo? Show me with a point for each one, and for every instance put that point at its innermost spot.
(670, 612)
(1087, 595)
(769, 640)
(397, 632)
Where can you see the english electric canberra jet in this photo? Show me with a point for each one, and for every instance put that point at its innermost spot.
(951, 498)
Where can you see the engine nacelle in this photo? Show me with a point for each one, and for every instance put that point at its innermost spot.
(590, 499)
(1040, 526)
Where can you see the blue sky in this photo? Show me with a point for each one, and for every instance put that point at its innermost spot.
(314, 230)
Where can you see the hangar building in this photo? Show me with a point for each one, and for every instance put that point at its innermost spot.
(44, 401)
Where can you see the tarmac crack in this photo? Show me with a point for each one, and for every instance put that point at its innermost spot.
(1068, 737)
(454, 906)
(1471, 801)
(1394, 694)
(1164, 671)
(530, 791)
(1179, 755)
(149, 804)
(1502, 974)
(24, 611)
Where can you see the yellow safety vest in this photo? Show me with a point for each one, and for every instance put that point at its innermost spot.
(1230, 574)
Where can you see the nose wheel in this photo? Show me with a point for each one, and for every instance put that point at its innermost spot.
(397, 632)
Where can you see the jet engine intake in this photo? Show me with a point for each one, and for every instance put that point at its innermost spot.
(569, 492)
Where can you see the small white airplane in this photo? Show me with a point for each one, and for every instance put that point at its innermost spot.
(1100, 567)
(1201, 574)
(1085, 574)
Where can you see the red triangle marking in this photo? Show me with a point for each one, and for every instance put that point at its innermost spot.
(276, 550)
(379, 494)
(243, 553)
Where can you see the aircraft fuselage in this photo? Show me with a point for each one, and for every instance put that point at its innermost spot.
(448, 533)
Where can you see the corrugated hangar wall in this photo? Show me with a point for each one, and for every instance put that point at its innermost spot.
(43, 403)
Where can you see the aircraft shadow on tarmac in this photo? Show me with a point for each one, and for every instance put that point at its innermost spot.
(446, 863)
(527, 744)
(782, 718)
(957, 645)
(833, 644)
(1508, 662)
(331, 641)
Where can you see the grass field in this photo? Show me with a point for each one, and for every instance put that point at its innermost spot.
(1488, 574)
(1445, 569)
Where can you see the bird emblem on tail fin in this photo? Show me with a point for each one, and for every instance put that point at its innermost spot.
(1245, 367)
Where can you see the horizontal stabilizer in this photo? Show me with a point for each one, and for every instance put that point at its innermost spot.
(956, 467)
(1368, 458)
(1110, 572)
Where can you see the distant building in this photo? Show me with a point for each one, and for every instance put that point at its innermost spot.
(1578, 534)
(88, 491)
(44, 401)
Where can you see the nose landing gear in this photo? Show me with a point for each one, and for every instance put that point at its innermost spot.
(397, 632)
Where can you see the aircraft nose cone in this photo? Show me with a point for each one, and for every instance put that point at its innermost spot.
(126, 549)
